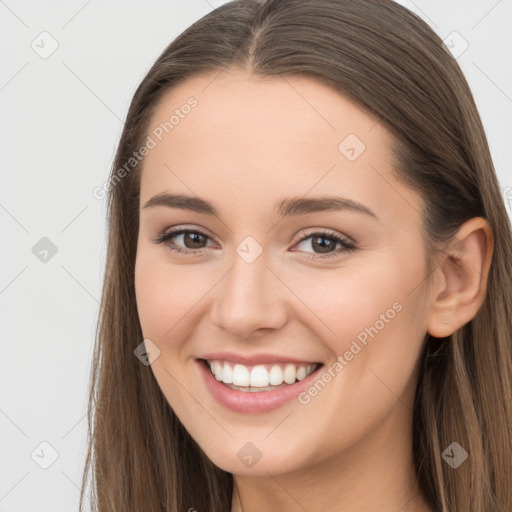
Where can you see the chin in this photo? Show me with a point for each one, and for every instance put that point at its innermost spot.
(250, 461)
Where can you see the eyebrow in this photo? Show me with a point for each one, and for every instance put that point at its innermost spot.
(287, 207)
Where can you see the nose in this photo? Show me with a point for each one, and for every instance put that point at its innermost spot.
(249, 299)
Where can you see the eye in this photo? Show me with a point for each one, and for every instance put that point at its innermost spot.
(325, 242)
(193, 240)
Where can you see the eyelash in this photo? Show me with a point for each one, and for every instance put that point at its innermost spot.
(347, 247)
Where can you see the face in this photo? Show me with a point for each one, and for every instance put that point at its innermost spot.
(249, 273)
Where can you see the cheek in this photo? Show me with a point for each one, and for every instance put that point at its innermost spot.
(345, 304)
(371, 323)
(151, 305)
(167, 295)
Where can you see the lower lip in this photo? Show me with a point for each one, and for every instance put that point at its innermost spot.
(252, 402)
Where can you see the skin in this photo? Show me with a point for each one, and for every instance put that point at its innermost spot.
(248, 144)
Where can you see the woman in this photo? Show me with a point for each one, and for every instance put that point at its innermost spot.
(307, 301)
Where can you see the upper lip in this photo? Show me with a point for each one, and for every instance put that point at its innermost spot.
(254, 359)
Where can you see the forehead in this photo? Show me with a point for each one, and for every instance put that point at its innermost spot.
(288, 107)
(250, 139)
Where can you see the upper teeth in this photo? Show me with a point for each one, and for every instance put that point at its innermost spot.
(261, 375)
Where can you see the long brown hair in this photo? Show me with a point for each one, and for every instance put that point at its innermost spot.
(391, 63)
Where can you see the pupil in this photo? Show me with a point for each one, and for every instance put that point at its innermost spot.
(195, 238)
(325, 244)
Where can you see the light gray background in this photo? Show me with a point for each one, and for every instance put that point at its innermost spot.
(61, 118)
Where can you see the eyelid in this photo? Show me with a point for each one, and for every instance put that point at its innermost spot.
(306, 233)
(347, 243)
(167, 233)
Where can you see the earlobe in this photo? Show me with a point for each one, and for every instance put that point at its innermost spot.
(464, 270)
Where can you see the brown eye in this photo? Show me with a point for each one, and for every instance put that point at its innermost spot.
(191, 240)
(324, 244)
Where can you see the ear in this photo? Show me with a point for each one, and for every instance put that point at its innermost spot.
(462, 271)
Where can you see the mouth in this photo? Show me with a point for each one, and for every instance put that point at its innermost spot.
(259, 388)
(260, 377)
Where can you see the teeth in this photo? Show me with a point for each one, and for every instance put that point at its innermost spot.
(259, 376)
(276, 375)
(301, 372)
(240, 375)
(289, 374)
(217, 370)
(227, 374)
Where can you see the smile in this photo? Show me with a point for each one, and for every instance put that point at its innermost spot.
(261, 377)
(255, 388)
